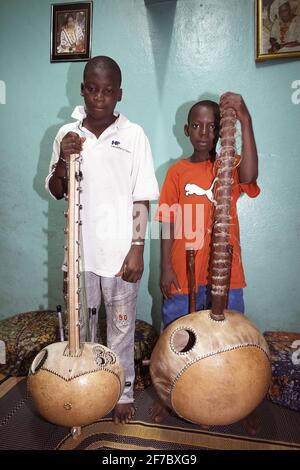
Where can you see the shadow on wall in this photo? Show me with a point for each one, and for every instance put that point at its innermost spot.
(160, 18)
(186, 151)
(54, 219)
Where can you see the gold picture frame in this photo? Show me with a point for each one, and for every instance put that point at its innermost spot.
(277, 29)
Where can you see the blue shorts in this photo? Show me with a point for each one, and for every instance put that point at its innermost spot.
(178, 304)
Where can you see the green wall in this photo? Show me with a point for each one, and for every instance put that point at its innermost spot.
(171, 54)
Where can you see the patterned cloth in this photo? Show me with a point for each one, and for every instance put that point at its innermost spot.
(24, 336)
(27, 333)
(285, 356)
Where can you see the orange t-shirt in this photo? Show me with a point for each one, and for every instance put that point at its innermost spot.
(187, 200)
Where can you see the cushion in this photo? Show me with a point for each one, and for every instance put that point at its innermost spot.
(27, 333)
(24, 336)
(285, 357)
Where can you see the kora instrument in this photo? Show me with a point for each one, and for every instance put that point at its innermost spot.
(72, 383)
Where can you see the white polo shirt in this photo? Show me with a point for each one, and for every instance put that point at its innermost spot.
(117, 170)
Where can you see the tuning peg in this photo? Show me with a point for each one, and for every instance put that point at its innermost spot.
(93, 321)
(78, 176)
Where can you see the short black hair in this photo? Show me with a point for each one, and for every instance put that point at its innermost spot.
(208, 104)
(103, 62)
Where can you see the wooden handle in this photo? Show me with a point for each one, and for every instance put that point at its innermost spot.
(190, 266)
(73, 254)
(221, 256)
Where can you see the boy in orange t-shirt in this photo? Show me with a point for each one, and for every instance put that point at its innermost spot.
(186, 212)
(186, 208)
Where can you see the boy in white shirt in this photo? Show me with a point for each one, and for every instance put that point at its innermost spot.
(118, 183)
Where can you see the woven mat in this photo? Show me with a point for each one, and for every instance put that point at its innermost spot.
(21, 428)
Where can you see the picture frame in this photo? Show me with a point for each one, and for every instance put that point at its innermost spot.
(277, 29)
(71, 31)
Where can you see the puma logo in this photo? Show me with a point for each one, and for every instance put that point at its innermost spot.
(191, 189)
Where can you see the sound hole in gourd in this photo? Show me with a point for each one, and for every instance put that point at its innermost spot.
(39, 361)
(183, 340)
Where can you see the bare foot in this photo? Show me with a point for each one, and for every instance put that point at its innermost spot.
(123, 413)
(251, 424)
(159, 412)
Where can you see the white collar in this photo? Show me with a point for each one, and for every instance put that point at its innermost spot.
(121, 122)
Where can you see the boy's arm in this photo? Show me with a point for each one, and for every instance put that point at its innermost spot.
(248, 169)
(58, 182)
(133, 265)
(168, 275)
(70, 144)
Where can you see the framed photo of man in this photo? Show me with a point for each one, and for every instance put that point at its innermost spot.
(277, 29)
(71, 27)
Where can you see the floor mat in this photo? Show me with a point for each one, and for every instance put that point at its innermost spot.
(21, 428)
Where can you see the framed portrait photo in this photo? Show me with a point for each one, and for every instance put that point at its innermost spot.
(277, 29)
(71, 29)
